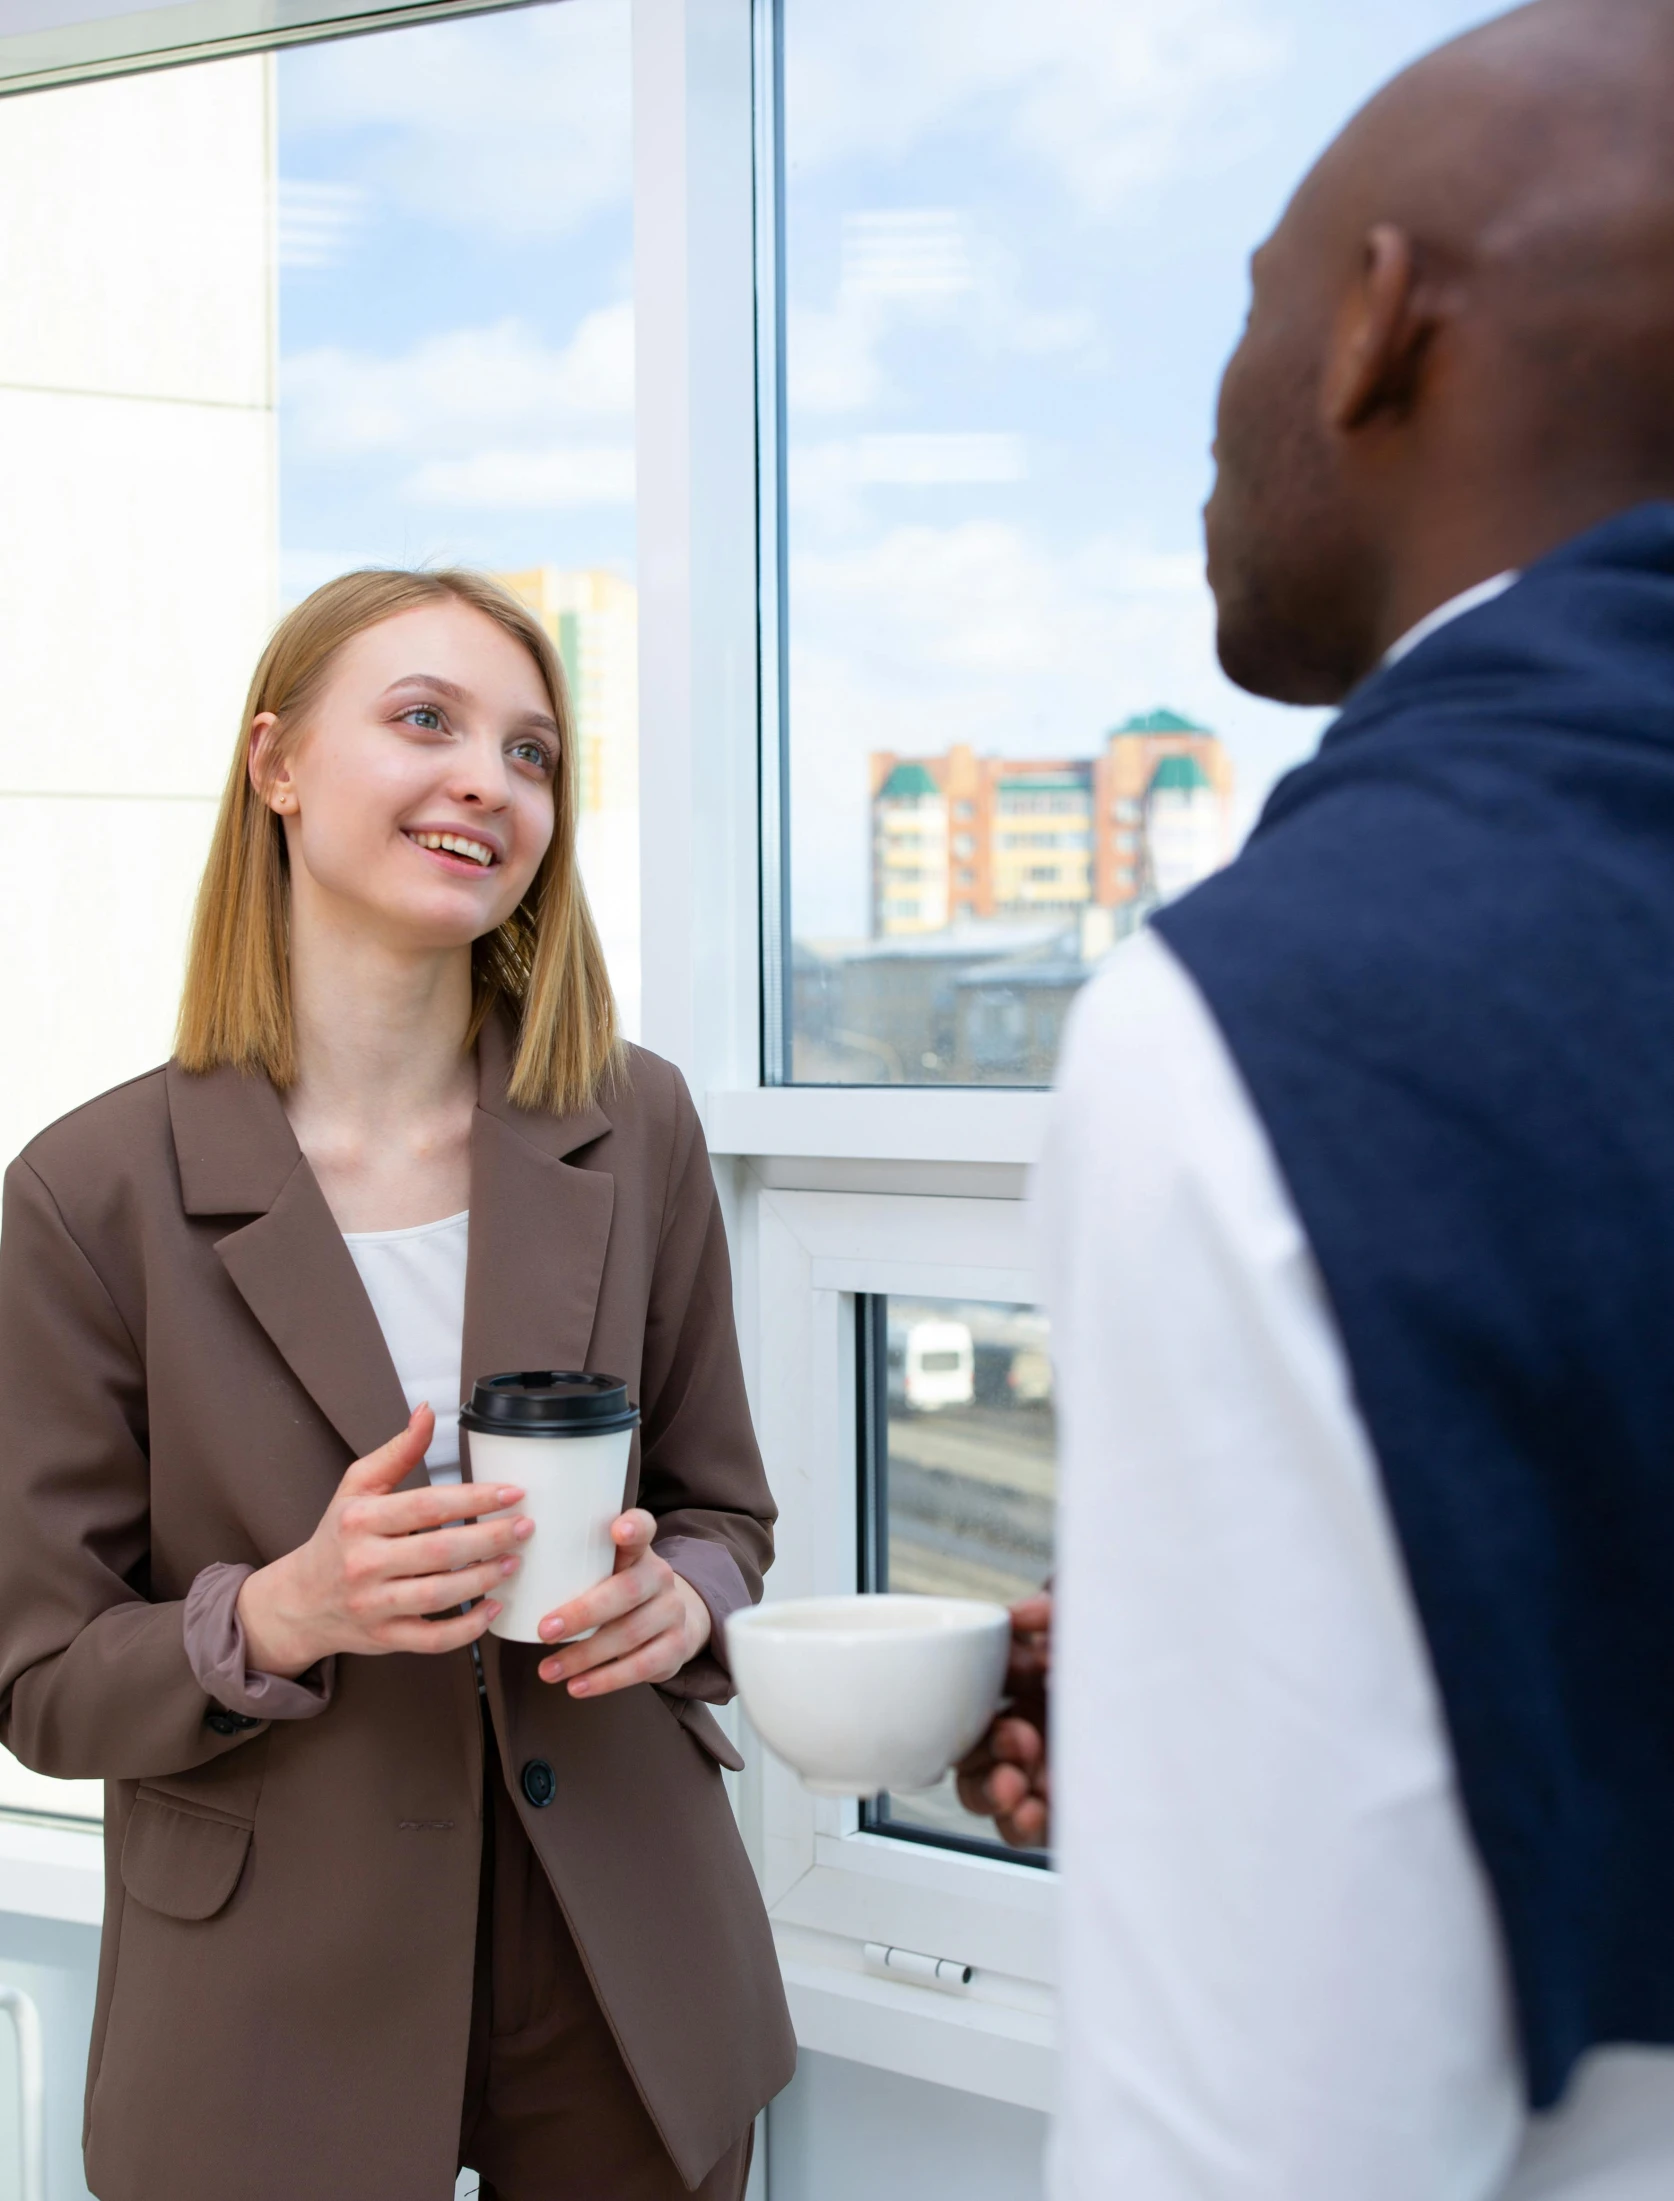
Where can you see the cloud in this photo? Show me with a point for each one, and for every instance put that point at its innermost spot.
(513, 480)
(516, 124)
(940, 461)
(984, 633)
(1108, 100)
(903, 269)
(906, 252)
(452, 392)
(317, 221)
(829, 479)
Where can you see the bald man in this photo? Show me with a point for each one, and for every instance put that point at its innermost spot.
(1359, 1206)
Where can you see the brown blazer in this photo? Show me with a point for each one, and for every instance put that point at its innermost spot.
(188, 1362)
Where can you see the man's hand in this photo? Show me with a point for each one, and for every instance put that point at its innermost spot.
(1005, 1777)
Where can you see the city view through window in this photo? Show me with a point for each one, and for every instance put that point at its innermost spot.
(960, 1456)
(1015, 255)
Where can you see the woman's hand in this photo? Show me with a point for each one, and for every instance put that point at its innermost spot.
(380, 1560)
(1005, 1778)
(650, 1620)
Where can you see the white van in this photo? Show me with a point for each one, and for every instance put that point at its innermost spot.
(931, 1365)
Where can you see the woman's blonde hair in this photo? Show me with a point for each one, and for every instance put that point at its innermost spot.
(544, 963)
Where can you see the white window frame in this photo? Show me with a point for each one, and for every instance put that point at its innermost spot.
(831, 1886)
(829, 1192)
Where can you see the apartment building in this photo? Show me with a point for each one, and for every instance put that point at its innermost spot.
(958, 837)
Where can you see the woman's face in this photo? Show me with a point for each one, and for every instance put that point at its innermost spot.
(419, 801)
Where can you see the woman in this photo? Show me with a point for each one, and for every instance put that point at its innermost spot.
(385, 1893)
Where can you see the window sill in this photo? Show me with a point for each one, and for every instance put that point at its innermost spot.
(996, 2041)
(1002, 1128)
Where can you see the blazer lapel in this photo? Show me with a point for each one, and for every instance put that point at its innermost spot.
(239, 1156)
(539, 1229)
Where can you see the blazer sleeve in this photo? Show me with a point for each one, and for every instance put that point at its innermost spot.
(94, 1678)
(701, 1472)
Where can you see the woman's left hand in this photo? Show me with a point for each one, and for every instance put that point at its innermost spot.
(649, 1619)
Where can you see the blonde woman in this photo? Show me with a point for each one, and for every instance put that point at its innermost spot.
(386, 1894)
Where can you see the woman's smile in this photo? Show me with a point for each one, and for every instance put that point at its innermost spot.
(456, 851)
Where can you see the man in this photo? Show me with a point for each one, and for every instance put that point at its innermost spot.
(1359, 1216)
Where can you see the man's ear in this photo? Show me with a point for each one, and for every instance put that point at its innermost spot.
(1381, 334)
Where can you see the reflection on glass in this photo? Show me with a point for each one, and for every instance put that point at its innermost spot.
(1014, 250)
(962, 1445)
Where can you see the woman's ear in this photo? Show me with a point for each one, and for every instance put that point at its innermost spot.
(270, 777)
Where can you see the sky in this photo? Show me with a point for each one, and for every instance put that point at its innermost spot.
(1016, 241)
(456, 295)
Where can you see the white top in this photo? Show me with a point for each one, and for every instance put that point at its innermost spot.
(415, 1280)
(1283, 1978)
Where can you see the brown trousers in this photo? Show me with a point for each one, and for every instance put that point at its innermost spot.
(550, 2113)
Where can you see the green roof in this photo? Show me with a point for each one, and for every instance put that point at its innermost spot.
(1160, 722)
(907, 782)
(1178, 776)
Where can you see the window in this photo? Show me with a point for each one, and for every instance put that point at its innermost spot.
(957, 1464)
(270, 318)
(483, 168)
(1013, 260)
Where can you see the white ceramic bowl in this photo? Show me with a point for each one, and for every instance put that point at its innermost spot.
(866, 1693)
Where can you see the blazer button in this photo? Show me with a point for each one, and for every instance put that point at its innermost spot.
(540, 1783)
(228, 1723)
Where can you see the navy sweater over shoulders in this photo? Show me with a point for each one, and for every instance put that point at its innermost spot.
(1445, 967)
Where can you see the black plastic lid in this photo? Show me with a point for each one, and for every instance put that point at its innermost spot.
(548, 1402)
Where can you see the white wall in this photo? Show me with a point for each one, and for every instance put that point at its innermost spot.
(138, 562)
(138, 548)
(842, 2129)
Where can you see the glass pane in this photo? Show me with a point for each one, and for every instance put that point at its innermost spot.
(1014, 250)
(456, 370)
(270, 318)
(960, 1462)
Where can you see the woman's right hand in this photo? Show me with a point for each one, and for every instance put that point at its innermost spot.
(380, 1560)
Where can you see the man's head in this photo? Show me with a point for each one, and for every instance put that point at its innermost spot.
(1460, 348)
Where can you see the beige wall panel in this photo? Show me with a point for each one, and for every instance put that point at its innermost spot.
(145, 263)
(95, 898)
(137, 575)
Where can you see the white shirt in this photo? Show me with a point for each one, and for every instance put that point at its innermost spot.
(415, 1280)
(1282, 1977)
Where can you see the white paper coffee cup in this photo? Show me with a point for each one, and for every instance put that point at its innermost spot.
(564, 1438)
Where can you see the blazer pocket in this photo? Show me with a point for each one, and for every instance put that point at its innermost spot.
(706, 1731)
(182, 1862)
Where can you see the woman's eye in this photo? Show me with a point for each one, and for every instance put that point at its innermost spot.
(425, 716)
(534, 752)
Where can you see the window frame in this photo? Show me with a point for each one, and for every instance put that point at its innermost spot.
(135, 37)
(831, 1884)
(827, 1191)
